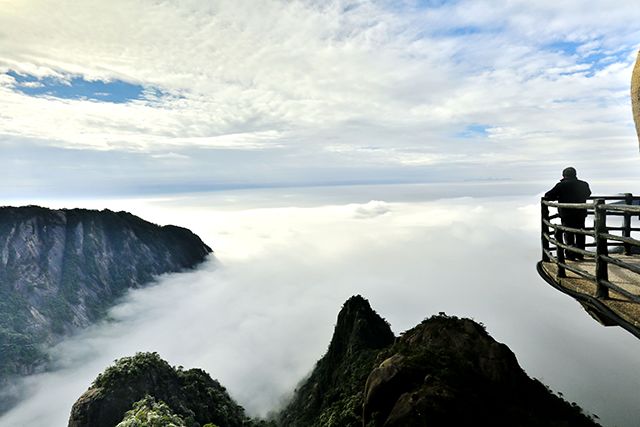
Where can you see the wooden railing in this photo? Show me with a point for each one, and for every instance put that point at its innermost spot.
(599, 209)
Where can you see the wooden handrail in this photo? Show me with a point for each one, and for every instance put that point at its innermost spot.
(578, 271)
(621, 208)
(569, 229)
(634, 209)
(622, 197)
(593, 244)
(628, 240)
(568, 205)
(618, 289)
(620, 263)
(567, 247)
(554, 249)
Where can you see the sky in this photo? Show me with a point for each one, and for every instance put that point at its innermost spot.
(261, 313)
(155, 97)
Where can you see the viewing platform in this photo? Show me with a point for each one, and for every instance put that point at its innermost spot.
(607, 281)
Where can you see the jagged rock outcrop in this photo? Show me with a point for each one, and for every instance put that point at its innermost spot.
(445, 371)
(333, 394)
(145, 383)
(62, 269)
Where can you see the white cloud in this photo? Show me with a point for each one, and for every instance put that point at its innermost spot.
(548, 80)
(372, 209)
(170, 156)
(32, 84)
(237, 141)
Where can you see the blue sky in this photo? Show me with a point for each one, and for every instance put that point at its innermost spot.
(121, 98)
(76, 87)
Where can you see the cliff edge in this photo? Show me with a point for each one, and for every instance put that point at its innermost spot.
(62, 269)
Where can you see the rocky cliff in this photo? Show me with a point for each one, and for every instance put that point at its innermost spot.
(333, 394)
(444, 372)
(62, 269)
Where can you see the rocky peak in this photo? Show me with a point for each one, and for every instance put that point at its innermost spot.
(469, 341)
(360, 333)
(146, 383)
(358, 327)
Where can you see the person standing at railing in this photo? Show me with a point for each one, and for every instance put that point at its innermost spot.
(571, 190)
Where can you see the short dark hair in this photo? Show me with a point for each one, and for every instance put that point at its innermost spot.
(569, 172)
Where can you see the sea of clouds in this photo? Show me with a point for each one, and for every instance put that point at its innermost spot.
(260, 312)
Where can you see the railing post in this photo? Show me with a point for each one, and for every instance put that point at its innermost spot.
(626, 232)
(544, 214)
(600, 228)
(559, 235)
(560, 254)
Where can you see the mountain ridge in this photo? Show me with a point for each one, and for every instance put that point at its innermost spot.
(61, 269)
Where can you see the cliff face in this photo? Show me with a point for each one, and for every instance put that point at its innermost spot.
(333, 394)
(62, 269)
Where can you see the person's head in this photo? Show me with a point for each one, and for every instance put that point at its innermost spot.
(569, 172)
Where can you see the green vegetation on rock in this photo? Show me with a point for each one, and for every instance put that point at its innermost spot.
(190, 394)
(149, 413)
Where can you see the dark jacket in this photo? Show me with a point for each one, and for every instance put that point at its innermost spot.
(570, 190)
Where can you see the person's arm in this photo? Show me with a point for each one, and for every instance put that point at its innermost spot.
(552, 194)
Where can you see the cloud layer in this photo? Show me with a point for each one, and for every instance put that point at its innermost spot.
(263, 313)
(337, 91)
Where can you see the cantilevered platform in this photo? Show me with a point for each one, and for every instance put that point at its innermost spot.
(607, 282)
(618, 309)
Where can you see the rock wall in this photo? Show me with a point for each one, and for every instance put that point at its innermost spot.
(635, 95)
(62, 269)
